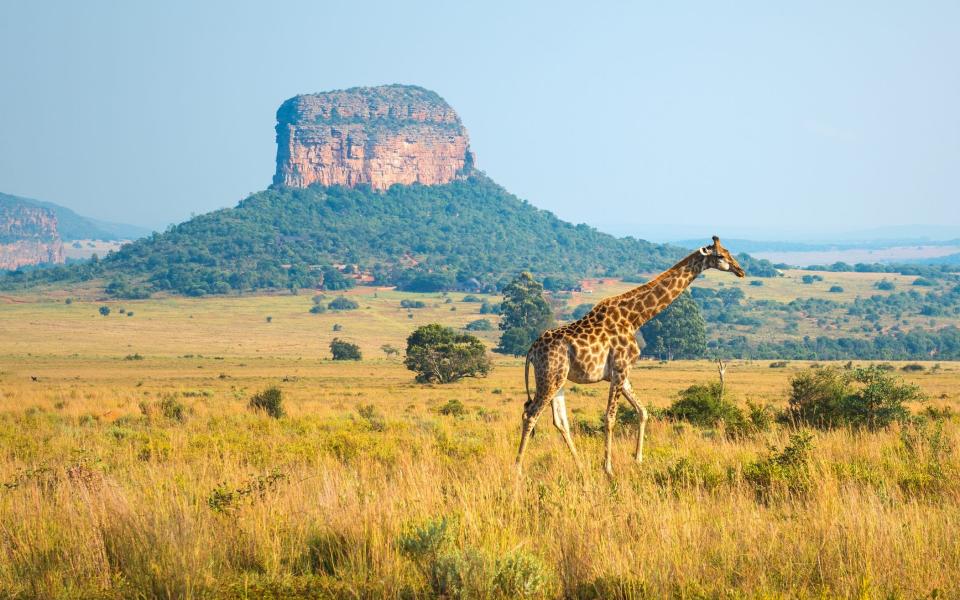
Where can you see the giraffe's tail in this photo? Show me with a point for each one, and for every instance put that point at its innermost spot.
(526, 381)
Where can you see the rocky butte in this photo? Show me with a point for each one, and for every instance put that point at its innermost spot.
(28, 236)
(377, 136)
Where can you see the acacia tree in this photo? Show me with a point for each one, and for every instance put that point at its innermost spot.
(440, 354)
(677, 332)
(525, 315)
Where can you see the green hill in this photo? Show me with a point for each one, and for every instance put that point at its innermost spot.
(470, 233)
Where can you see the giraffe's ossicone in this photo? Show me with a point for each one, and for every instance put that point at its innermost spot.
(602, 346)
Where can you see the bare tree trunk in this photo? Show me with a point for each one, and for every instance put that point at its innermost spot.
(722, 369)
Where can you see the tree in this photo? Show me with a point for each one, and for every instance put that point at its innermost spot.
(343, 303)
(440, 354)
(344, 350)
(525, 315)
(105, 310)
(677, 332)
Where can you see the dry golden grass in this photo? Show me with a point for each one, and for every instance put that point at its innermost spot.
(103, 495)
(105, 498)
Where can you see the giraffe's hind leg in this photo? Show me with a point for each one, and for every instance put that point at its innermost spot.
(562, 424)
(627, 392)
(550, 369)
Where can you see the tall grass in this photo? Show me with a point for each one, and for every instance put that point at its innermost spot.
(340, 497)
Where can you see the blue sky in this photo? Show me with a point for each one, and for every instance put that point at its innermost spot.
(751, 119)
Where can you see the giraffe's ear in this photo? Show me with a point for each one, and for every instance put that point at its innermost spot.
(703, 251)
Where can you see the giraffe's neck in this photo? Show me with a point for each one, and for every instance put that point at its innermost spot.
(645, 302)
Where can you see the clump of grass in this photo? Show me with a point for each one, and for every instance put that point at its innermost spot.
(168, 408)
(453, 408)
(269, 401)
(469, 572)
(223, 499)
(372, 417)
(136, 356)
(782, 472)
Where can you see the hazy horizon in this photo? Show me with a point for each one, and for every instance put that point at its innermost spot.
(816, 119)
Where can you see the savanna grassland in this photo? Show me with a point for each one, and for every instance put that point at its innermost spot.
(131, 466)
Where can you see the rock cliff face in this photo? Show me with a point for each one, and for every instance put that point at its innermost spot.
(28, 236)
(376, 135)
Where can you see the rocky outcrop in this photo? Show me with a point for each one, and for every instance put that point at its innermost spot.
(377, 136)
(28, 236)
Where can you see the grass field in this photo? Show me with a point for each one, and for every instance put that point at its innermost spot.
(149, 477)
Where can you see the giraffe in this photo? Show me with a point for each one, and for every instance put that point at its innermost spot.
(602, 346)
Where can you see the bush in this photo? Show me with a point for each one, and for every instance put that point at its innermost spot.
(782, 472)
(104, 310)
(412, 304)
(756, 283)
(318, 309)
(453, 408)
(885, 285)
(868, 398)
(778, 364)
(472, 298)
(835, 289)
(343, 303)
(479, 325)
(269, 401)
(344, 350)
(440, 354)
(581, 311)
(702, 405)
(912, 368)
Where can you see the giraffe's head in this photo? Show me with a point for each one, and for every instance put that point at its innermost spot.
(717, 257)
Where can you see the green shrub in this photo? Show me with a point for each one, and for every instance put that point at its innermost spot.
(756, 283)
(479, 325)
(784, 471)
(912, 368)
(104, 310)
(412, 303)
(472, 298)
(520, 575)
(868, 398)
(835, 289)
(343, 303)
(453, 408)
(318, 309)
(269, 401)
(778, 364)
(702, 405)
(344, 350)
(581, 310)
(885, 285)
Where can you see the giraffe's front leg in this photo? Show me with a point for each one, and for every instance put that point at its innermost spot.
(610, 418)
(627, 391)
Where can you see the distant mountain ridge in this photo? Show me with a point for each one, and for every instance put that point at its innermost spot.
(72, 226)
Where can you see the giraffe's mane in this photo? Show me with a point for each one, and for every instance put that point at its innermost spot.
(653, 282)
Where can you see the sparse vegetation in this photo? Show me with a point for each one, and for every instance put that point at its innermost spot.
(269, 401)
(344, 350)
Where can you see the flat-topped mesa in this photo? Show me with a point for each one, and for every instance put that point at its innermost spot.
(371, 135)
(28, 236)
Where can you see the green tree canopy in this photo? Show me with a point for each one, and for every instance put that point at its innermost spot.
(440, 354)
(677, 332)
(525, 315)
